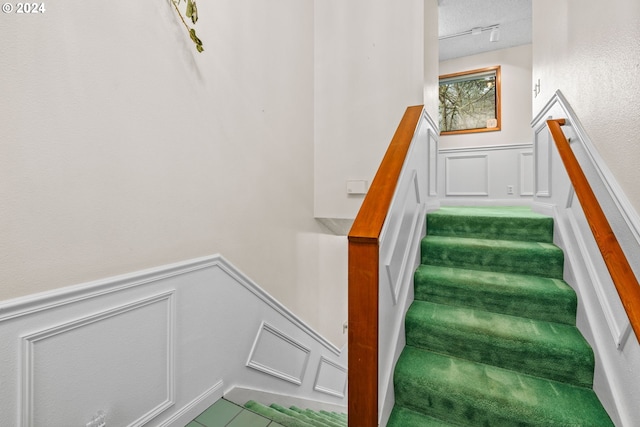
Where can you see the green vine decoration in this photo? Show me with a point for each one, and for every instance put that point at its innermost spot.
(191, 13)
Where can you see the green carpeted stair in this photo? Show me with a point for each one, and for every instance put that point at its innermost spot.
(491, 336)
(296, 417)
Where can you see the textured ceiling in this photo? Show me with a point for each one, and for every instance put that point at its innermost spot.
(456, 16)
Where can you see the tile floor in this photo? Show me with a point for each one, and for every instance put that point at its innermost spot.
(226, 414)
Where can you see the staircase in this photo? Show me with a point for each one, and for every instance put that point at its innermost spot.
(491, 337)
(296, 417)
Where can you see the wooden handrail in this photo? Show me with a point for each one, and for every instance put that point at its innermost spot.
(364, 243)
(623, 278)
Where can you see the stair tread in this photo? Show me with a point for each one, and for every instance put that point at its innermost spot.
(297, 417)
(494, 243)
(512, 222)
(533, 258)
(502, 212)
(277, 416)
(510, 293)
(473, 393)
(328, 419)
(551, 350)
(490, 336)
(314, 420)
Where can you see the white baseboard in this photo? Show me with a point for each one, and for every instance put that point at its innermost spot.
(197, 406)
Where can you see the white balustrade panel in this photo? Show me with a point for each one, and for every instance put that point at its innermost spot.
(400, 250)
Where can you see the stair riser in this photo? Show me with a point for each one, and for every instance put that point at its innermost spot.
(519, 229)
(552, 361)
(544, 261)
(454, 409)
(296, 417)
(407, 418)
(469, 394)
(465, 289)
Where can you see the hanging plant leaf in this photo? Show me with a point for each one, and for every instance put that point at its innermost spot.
(192, 11)
(194, 17)
(189, 10)
(196, 40)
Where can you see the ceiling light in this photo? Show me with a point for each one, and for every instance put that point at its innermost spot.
(495, 34)
(476, 31)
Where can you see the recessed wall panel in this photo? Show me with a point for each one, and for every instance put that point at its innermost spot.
(542, 163)
(101, 363)
(526, 174)
(331, 378)
(467, 175)
(279, 355)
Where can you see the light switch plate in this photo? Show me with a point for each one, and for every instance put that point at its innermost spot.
(357, 187)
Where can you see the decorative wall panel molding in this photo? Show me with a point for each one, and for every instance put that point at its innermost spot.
(485, 148)
(152, 347)
(433, 163)
(274, 304)
(467, 175)
(542, 162)
(403, 225)
(196, 406)
(33, 304)
(331, 378)
(526, 173)
(278, 355)
(493, 175)
(617, 322)
(54, 364)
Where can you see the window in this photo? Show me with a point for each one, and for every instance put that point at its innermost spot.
(470, 101)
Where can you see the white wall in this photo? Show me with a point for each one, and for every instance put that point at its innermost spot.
(516, 94)
(589, 50)
(368, 69)
(431, 52)
(123, 148)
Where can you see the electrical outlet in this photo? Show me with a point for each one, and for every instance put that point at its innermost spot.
(98, 420)
(509, 189)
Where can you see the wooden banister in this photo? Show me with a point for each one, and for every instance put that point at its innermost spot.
(364, 243)
(623, 277)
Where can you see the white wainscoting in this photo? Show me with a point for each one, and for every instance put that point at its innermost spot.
(276, 354)
(400, 250)
(156, 348)
(466, 175)
(64, 357)
(601, 316)
(331, 378)
(484, 175)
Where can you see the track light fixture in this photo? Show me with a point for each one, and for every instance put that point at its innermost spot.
(494, 36)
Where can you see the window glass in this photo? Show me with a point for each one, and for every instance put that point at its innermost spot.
(470, 101)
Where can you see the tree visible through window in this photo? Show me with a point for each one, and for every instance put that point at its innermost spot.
(470, 101)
